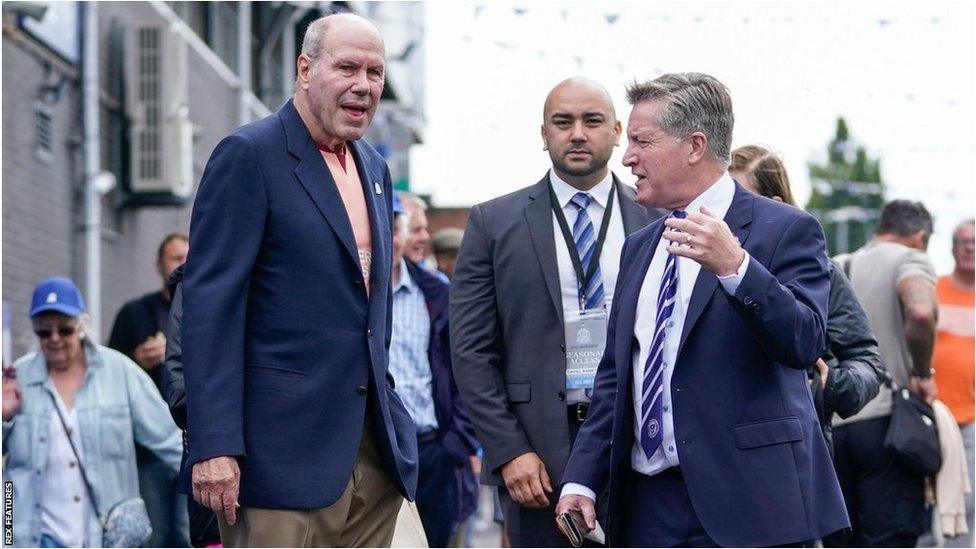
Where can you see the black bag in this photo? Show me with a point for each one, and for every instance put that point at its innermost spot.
(912, 435)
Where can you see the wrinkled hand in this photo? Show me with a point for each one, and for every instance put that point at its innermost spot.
(216, 485)
(824, 371)
(706, 240)
(11, 395)
(527, 480)
(581, 503)
(924, 387)
(150, 353)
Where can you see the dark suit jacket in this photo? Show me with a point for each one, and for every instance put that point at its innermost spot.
(454, 426)
(282, 350)
(754, 462)
(507, 327)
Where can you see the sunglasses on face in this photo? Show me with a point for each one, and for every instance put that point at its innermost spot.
(63, 331)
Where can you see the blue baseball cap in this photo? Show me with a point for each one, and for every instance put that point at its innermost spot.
(58, 294)
(397, 204)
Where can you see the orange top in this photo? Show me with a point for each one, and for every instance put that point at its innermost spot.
(954, 349)
(351, 190)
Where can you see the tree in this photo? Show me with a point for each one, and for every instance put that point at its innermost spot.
(848, 192)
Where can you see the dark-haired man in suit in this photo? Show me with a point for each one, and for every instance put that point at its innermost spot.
(702, 424)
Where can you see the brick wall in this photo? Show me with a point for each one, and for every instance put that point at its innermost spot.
(42, 206)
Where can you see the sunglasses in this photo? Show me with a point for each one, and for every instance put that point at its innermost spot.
(63, 331)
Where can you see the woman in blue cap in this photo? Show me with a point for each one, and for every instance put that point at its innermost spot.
(72, 413)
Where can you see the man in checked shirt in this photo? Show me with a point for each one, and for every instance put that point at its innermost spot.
(420, 362)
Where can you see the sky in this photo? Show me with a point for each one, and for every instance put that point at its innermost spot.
(903, 75)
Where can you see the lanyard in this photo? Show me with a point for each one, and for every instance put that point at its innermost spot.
(581, 277)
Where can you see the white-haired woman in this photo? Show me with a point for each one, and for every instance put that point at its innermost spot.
(72, 413)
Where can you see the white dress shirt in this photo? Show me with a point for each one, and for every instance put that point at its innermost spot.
(66, 504)
(609, 256)
(716, 198)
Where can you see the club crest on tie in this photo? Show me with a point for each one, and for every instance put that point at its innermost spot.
(653, 428)
(583, 336)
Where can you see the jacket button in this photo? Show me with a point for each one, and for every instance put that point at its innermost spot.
(562, 395)
(361, 390)
(357, 282)
(369, 333)
(749, 302)
(563, 347)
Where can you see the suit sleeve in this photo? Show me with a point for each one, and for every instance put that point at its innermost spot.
(785, 304)
(226, 231)
(589, 460)
(477, 348)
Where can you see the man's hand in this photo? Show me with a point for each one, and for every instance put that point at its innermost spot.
(11, 393)
(216, 484)
(150, 353)
(706, 240)
(527, 480)
(824, 371)
(581, 503)
(924, 387)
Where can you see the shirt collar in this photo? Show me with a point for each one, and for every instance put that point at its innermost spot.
(565, 191)
(406, 281)
(717, 197)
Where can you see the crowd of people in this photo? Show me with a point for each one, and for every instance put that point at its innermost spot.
(676, 364)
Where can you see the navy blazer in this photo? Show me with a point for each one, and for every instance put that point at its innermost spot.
(753, 458)
(282, 348)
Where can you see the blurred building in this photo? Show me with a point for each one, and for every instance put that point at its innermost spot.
(98, 166)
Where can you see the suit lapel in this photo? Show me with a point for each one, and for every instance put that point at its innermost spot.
(629, 294)
(738, 219)
(314, 175)
(538, 215)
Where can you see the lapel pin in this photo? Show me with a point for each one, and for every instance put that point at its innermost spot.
(379, 190)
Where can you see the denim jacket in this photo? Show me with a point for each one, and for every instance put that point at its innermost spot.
(117, 404)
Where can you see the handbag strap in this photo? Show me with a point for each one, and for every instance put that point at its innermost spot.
(74, 450)
(846, 266)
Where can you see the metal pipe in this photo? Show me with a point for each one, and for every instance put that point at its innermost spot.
(92, 199)
(244, 59)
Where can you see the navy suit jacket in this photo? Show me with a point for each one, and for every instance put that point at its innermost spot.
(753, 458)
(282, 348)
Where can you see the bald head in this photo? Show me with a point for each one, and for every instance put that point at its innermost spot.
(579, 88)
(334, 25)
(580, 130)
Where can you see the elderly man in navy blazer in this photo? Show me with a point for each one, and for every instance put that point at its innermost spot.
(291, 412)
(702, 421)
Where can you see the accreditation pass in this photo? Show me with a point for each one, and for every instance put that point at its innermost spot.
(586, 337)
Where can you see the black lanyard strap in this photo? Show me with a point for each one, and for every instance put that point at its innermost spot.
(581, 277)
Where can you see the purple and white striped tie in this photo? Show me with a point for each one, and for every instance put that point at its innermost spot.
(652, 417)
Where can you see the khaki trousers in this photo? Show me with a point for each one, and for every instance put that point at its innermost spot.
(364, 516)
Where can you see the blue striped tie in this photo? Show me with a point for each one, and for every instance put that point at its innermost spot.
(652, 416)
(585, 237)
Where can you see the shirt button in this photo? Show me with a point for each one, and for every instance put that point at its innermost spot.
(77, 498)
(671, 448)
(71, 463)
(670, 324)
(667, 408)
